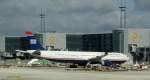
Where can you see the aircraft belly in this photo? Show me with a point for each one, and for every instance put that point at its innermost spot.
(69, 60)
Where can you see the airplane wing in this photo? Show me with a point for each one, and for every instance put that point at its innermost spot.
(35, 53)
(28, 51)
(21, 51)
(98, 58)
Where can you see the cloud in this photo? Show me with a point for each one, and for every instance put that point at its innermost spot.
(139, 15)
(17, 16)
(139, 20)
(142, 4)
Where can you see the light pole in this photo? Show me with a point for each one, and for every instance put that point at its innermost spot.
(120, 42)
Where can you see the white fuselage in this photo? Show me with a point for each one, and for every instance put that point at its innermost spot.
(79, 57)
(70, 55)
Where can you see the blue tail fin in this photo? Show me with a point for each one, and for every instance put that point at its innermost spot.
(32, 43)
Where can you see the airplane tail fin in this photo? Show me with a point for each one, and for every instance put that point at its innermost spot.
(31, 43)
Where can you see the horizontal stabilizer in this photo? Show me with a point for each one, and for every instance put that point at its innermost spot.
(21, 51)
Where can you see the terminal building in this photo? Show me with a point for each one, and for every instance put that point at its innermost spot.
(9, 44)
(76, 42)
(135, 42)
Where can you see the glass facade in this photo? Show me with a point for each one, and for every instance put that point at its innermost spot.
(90, 42)
(74, 42)
(12, 44)
(97, 42)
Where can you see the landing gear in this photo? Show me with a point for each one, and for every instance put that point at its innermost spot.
(73, 66)
(88, 65)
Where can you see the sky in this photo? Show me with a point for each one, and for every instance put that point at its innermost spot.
(70, 16)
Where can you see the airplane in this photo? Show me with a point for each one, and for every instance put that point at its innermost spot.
(75, 57)
(78, 57)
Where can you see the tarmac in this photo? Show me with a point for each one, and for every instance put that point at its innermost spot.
(62, 74)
